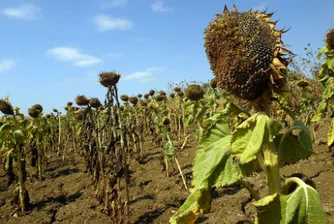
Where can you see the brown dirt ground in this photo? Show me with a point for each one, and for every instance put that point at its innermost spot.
(67, 195)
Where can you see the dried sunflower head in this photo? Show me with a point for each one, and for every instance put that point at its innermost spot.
(133, 100)
(213, 83)
(177, 89)
(330, 39)
(180, 93)
(194, 92)
(146, 96)
(81, 100)
(151, 92)
(33, 113)
(38, 107)
(109, 79)
(6, 107)
(160, 97)
(95, 102)
(124, 98)
(246, 53)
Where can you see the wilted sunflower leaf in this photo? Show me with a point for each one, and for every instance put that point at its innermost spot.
(330, 63)
(211, 158)
(211, 120)
(4, 130)
(298, 203)
(294, 147)
(197, 203)
(231, 109)
(18, 136)
(329, 89)
(321, 109)
(250, 135)
(330, 134)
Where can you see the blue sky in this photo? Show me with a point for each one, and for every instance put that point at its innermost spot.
(51, 51)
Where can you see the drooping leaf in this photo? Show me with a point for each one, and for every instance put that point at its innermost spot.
(330, 134)
(190, 120)
(4, 131)
(211, 157)
(5, 127)
(268, 210)
(18, 136)
(231, 110)
(298, 203)
(292, 147)
(322, 51)
(320, 110)
(329, 89)
(209, 121)
(250, 135)
(198, 202)
(330, 63)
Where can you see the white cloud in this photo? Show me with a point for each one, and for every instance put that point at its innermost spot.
(159, 6)
(115, 3)
(261, 7)
(105, 23)
(73, 55)
(25, 11)
(143, 76)
(6, 65)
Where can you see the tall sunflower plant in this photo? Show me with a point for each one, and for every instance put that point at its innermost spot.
(248, 59)
(326, 77)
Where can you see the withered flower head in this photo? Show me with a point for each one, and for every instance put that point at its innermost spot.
(95, 102)
(177, 89)
(246, 53)
(6, 107)
(81, 100)
(38, 107)
(160, 97)
(213, 83)
(33, 113)
(133, 100)
(151, 92)
(330, 39)
(194, 92)
(180, 93)
(124, 98)
(109, 79)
